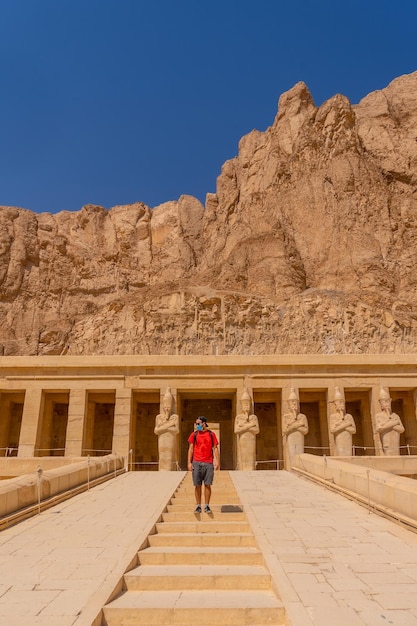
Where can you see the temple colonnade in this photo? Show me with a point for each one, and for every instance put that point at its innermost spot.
(79, 406)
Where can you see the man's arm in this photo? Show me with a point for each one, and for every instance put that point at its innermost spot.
(190, 456)
(216, 458)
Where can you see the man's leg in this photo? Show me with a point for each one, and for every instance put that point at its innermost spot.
(197, 492)
(207, 494)
(197, 482)
(208, 479)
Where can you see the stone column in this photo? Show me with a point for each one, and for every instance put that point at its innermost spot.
(246, 428)
(239, 391)
(4, 424)
(89, 428)
(285, 392)
(388, 425)
(294, 428)
(76, 419)
(122, 422)
(375, 408)
(415, 403)
(31, 419)
(342, 425)
(167, 430)
(331, 388)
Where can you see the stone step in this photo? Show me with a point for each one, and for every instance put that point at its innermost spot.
(219, 476)
(189, 516)
(209, 539)
(203, 526)
(219, 479)
(158, 577)
(199, 568)
(219, 501)
(187, 484)
(202, 607)
(216, 509)
(197, 556)
(188, 487)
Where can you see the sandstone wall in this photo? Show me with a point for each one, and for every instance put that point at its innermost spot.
(307, 246)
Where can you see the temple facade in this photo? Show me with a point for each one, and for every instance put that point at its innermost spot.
(80, 406)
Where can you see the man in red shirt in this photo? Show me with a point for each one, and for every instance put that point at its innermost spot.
(203, 459)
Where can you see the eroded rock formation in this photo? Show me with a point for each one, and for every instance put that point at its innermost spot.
(307, 246)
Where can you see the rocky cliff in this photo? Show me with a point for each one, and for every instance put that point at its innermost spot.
(307, 246)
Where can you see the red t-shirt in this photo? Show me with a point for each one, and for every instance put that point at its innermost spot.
(203, 446)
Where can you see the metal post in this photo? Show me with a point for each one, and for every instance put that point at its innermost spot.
(39, 472)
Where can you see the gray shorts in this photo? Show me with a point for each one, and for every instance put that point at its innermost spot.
(202, 473)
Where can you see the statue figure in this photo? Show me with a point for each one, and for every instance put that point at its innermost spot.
(246, 429)
(342, 426)
(388, 425)
(294, 428)
(167, 429)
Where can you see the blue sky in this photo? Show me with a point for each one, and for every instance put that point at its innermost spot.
(117, 101)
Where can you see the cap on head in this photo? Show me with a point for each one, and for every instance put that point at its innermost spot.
(202, 418)
(337, 394)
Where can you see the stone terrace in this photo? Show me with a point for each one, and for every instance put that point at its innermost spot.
(332, 561)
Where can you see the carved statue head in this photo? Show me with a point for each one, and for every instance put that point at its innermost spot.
(338, 401)
(246, 400)
(167, 400)
(384, 399)
(293, 399)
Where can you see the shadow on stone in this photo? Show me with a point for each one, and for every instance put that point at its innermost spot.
(231, 508)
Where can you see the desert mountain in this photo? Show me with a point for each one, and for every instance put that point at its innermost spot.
(309, 245)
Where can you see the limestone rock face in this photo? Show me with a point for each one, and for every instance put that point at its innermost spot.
(309, 245)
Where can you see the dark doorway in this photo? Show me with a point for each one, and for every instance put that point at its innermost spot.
(313, 404)
(357, 404)
(53, 424)
(99, 424)
(219, 417)
(269, 441)
(145, 446)
(103, 428)
(11, 411)
(403, 405)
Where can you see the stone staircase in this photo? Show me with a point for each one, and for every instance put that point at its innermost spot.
(199, 569)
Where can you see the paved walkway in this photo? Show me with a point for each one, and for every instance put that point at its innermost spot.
(66, 561)
(334, 563)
